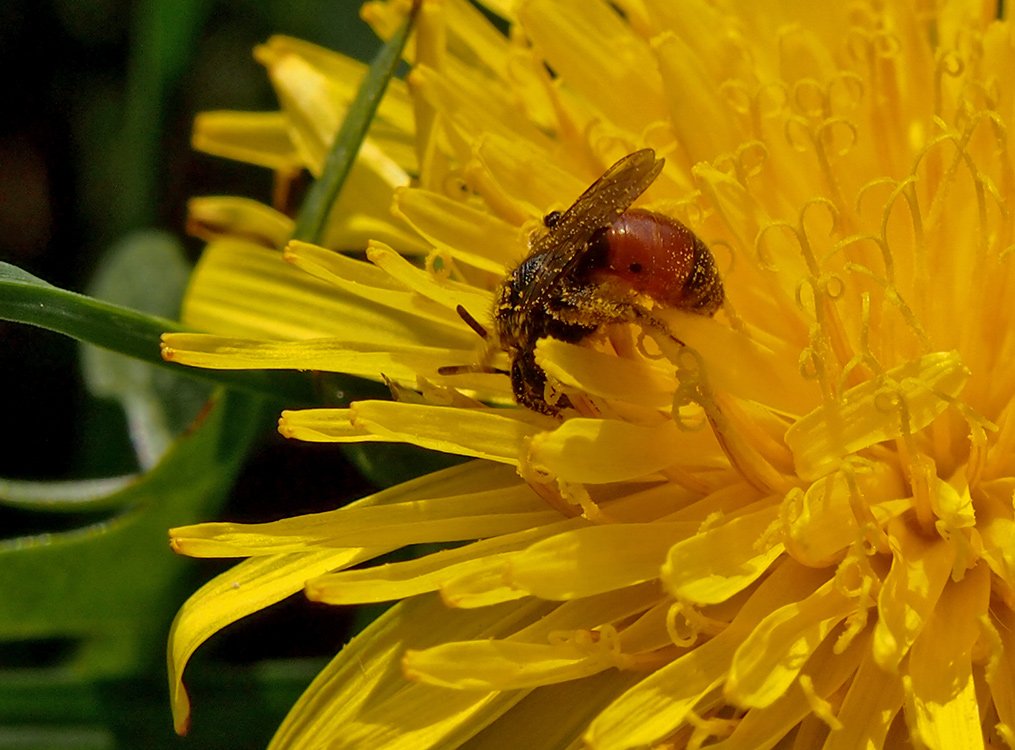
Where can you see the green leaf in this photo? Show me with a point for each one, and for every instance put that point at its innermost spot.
(146, 271)
(27, 299)
(109, 585)
(321, 197)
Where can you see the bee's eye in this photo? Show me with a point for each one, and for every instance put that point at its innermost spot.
(551, 219)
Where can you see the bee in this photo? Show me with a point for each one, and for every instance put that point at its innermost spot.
(599, 262)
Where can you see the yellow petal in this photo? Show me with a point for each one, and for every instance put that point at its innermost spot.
(808, 697)
(910, 591)
(241, 289)
(656, 706)
(952, 504)
(471, 516)
(481, 586)
(248, 587)
(611, 607)
(430, 573)
(768, 662)
(624, 84)
(505, 665)
(1001, 678)
(241, 218)
(606, 375)
(463, 231)
(502, 174)
(324, 426)
(689, 88)
(768, 376)
(600, 558)
(466, 479)
(551, 717)
(363, 209)
(260, 138)
(713, 565)
(486, 45)
(702, 26)
(822, 522)
(397, 361)
(902, 402)
(491, 582)
(351, 702)
(434, 322)
(345, 73)
(315, 97)
(603, 450)
(999, 548)
(445, 292)
(868, 710)
(493, 435)
(462, 101)
(942, 709)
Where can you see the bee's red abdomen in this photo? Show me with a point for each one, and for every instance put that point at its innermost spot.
(659, 257)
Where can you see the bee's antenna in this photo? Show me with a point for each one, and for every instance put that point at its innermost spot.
(476, 326)
(466, 369)
(471, 322)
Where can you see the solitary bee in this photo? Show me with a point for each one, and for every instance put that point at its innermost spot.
(597, 263)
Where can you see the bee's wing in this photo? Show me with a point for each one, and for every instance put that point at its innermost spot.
(599, 206)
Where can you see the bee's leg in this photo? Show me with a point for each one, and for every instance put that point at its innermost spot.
(528, 381)
(588, 306)
(648, 320)
(594, 305)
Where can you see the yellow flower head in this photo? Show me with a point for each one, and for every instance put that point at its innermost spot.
(790, 522)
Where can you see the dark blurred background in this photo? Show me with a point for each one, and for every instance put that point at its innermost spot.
(94, 144)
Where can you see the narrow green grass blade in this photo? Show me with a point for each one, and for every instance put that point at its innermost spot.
(27, 299)
(316, 208)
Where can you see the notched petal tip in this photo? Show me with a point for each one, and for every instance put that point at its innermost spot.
(285, 429)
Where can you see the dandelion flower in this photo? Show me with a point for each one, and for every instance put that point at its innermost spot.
(790, 522)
